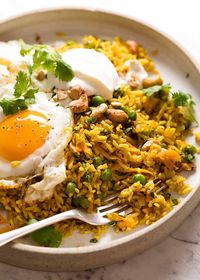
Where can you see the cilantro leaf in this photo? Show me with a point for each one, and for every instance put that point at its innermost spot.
(185, 100)
(180, 98)
(22, 84)
(48, 237)
(27, 48)
(150, 91)
(63, 71)
(30, 95)
(13, 105)
(41, 58)
(23, 95)
(49, 60)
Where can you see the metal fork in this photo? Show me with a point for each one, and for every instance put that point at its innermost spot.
(98, 218)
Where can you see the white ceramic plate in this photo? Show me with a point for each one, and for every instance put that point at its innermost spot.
(175, 65)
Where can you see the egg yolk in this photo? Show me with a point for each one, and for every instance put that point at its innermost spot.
(22, 133)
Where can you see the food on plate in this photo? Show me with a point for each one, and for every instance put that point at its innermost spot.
(82, 120)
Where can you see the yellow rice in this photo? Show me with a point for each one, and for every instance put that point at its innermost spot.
(120, 152)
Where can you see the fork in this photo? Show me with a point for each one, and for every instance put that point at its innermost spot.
(98, 218)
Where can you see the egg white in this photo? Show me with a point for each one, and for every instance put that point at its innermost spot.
(48, 161)
(59, 119)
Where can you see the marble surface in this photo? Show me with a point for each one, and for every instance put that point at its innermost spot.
(178, 256)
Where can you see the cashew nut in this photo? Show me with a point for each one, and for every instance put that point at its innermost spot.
(116, 115)
(75, 92)
(40, 76)
(80, 105)
(98, 112)
(132, 46)
(116, 104)
(152, 79)
(133, 82)
(61, 94)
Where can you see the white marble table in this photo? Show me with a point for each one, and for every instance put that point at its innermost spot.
(178, 256)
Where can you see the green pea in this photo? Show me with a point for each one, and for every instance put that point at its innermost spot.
(84, 202)
(70, 188)
(106, 175)
(47, 237)
(97, 161)
(132, 115)
(97, 100)
(139, 178)
(76, 201)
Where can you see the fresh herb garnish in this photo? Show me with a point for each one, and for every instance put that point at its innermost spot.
(13, 105)
(91, 120)
(47, 237)
(150, 91)
(175, 201)
(118, 93)
(24, 94)
(49, 60)
(185, 100)
(93, 240)
(179, 98)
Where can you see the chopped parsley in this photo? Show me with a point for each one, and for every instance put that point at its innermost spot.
(24, 94)
(49, 60)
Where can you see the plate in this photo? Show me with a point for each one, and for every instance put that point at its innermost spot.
(175, 66)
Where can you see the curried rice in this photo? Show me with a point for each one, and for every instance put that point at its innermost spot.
(152, 144)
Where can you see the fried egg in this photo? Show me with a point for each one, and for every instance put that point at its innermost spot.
(32, 142)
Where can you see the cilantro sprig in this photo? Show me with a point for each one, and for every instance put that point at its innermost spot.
(47, 59)
(185, 100)
(24, 94)
(179, 98)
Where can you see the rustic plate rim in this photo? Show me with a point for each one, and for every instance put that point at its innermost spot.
(149, 228)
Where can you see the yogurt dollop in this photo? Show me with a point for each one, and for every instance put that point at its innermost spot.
(93, 71)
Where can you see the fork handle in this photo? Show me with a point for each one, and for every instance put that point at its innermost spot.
(22, 231)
